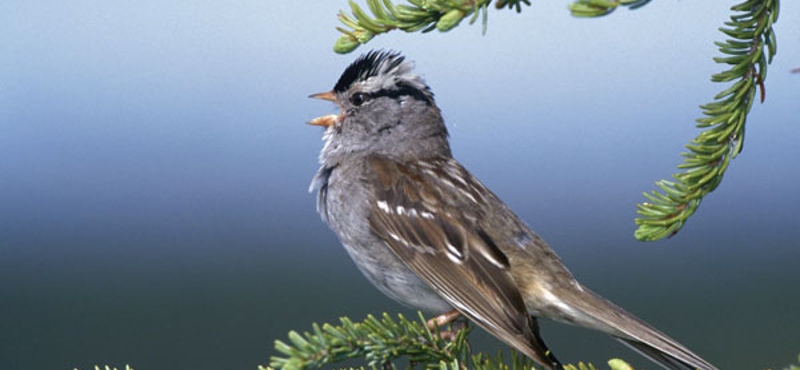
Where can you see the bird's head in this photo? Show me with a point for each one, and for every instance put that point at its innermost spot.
(385, 109)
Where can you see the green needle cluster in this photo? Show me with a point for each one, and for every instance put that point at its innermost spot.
(442, 15)
(748, 50)
(419, 15)
(379, 341)
(384, 342)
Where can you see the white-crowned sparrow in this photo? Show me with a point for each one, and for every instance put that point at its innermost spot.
(428, 234)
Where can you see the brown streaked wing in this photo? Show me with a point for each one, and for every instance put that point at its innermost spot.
(435, 240)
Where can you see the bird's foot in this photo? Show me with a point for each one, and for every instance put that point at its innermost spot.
(444, 319)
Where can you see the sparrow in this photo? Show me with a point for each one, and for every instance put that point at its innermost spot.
(431, 236)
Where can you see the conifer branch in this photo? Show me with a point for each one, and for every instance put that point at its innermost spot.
(420, 15)
(443, 15)
(748, 50)
(384, 342)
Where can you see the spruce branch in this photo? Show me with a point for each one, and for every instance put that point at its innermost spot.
(444, 15)
(420, 15)
(382, 342)
(749, 48)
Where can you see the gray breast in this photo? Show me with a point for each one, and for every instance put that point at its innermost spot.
(343, 203)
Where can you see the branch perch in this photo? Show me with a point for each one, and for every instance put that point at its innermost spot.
(384, 342)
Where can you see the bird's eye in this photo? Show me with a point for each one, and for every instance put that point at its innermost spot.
(358, 98)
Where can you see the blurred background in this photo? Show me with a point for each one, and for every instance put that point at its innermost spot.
(155, 164)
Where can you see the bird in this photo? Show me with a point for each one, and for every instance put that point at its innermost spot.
(428, 234)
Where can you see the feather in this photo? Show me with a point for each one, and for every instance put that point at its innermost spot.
(424, 229)
(633, 332)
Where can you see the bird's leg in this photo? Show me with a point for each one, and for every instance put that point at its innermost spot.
(444, 319)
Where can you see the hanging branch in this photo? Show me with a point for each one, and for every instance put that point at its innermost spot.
(421, 15)
(749, 31)
(443, 15)
(383, 342)
(748, 50)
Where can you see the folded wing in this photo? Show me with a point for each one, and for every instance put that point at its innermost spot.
(440, 242)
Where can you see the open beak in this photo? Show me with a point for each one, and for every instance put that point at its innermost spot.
(328, 95)
(330, 119)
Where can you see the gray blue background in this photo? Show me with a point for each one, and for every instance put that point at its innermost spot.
(154, 166)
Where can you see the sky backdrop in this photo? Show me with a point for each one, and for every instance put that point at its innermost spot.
(155, 161)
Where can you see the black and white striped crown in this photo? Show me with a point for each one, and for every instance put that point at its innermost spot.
(390, 70)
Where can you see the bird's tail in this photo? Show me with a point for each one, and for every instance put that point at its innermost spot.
(635, 333)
